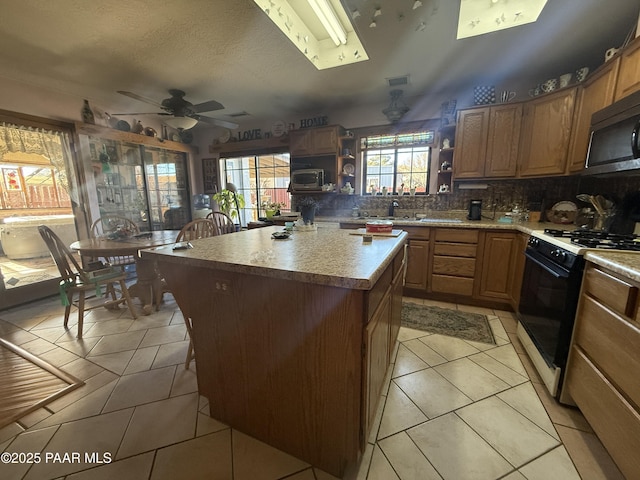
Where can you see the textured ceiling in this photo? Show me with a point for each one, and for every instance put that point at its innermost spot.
(229, 51)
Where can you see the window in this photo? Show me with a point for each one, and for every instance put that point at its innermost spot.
(397, 162)
(260, 179)
(31, 187)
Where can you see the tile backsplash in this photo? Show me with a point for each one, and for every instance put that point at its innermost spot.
(501, 194)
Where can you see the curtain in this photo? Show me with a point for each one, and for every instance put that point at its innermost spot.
(51, 144)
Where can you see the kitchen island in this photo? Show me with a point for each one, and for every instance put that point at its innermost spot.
(292, 337)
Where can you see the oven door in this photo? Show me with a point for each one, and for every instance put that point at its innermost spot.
(547, 308)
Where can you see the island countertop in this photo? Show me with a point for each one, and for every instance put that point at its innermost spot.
(326, 256)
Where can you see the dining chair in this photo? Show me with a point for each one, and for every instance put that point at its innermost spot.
(223, 222)
(199, 228)
(77, 280)
(109, 225)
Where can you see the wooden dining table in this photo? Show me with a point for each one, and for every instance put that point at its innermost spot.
(149, 285)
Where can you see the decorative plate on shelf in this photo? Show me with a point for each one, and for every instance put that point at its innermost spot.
(225, 136)
(348, 169)
(565, 207)
(278, 128)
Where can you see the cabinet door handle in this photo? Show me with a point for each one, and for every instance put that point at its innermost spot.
(634, 140)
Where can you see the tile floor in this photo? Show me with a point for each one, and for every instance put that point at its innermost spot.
(452, 409)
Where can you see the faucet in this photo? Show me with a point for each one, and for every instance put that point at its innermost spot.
(392, 207)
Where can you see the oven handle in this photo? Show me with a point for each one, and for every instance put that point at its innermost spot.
(555, 270)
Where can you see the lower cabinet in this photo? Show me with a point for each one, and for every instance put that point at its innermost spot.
(381, 332)
(417, 258)
(604, 366)
(496, 272)
(453, 263)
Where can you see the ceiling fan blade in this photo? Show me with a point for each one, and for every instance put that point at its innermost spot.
(209, 106)
(215, 121)
(139, 97)
(139, 113)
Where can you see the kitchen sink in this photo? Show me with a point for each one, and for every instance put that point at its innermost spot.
(413, 219)
(440, 220)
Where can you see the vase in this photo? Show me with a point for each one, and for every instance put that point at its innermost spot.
(87, 113)
(308, 214)
(270, 213)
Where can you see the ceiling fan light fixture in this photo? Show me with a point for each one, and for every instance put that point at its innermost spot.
(397, 108)
(181, 123)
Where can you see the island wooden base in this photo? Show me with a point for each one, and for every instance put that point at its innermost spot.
(287, 362)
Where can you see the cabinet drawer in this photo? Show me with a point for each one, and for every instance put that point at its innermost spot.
(612, 291)
(417, 232)
(460, 267)
(455, 249)
(615, 422)
(459, 235)
(452, 285)
(612, 343)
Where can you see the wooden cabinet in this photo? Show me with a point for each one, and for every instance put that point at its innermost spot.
(315, 141)
(487, 142)
(327, 148)
(417, 258)
(629, 75)
(603, 367)
(381, 332)
(377, 358)
(546, 129)
(596, 93)
(504, 137)
(453, 261)
(496, 274)
(522, 239)
(471, 143)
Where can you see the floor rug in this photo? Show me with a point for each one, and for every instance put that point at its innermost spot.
(454, 323)
(28, 383)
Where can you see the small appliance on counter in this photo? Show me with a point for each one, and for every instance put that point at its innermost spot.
(475, 210)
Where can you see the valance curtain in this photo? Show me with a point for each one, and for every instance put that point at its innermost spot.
(50, 144)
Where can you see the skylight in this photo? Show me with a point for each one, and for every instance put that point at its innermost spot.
(478, 17)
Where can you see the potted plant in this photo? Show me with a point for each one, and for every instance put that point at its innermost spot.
(271, 208)
(308, 207)
(230, 202)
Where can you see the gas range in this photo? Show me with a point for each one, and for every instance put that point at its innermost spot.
(579, 240)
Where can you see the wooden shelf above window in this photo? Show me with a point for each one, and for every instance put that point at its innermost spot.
(264, 145)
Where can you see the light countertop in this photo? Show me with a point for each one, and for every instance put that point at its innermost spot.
(624, 263)
(327, 256)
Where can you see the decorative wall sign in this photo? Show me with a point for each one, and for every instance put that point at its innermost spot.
(210, 175)
(314, 122)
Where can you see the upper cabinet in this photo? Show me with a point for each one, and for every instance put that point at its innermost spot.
(487, 141)
(596, 93)
(329, 148)
(315, 141)
(471, 143)
(546, 129)
(629, 76)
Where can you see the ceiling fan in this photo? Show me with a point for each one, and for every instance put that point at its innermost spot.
(184, 114)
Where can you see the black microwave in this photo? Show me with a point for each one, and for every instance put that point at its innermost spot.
(615, 135)
(308, 179)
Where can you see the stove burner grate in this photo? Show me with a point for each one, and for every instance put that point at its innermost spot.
(598, 239)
